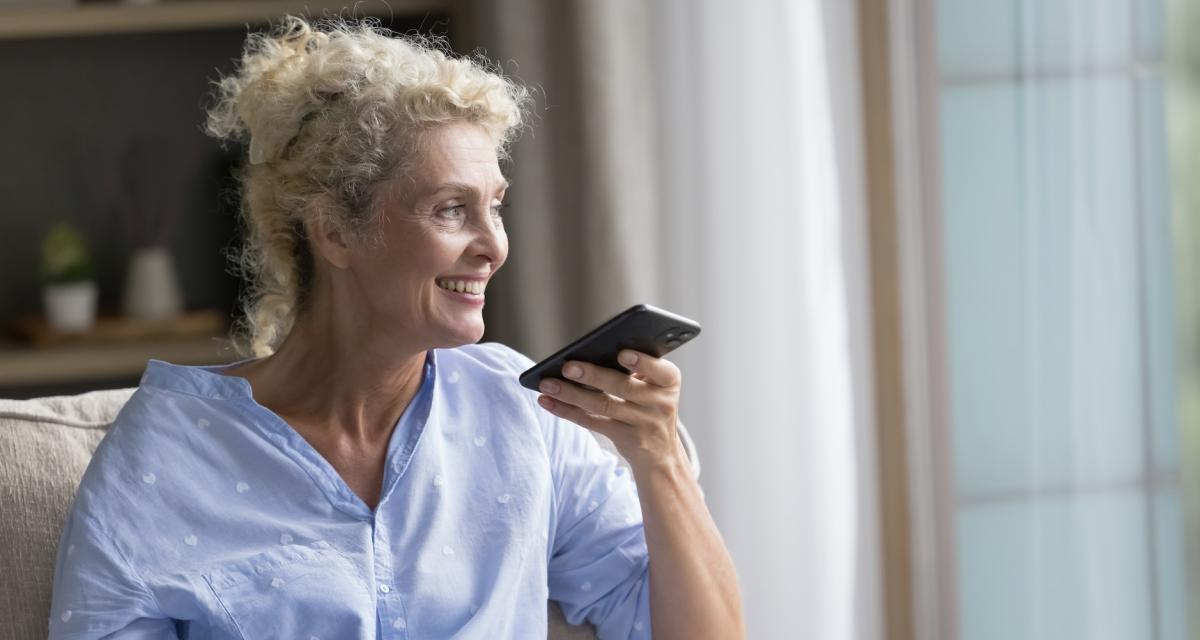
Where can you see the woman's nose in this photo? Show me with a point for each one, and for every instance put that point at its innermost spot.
(491, 241)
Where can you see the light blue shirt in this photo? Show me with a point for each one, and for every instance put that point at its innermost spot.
(204, 515)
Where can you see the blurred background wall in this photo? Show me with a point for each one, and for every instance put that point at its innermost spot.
(77, 124)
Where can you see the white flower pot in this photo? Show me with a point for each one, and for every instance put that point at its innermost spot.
(71, 307)
(151, 288)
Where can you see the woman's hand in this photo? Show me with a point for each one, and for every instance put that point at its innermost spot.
(636, 410)
(694, 592)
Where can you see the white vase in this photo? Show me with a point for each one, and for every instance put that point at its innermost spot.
(151, 287)
(71, 307)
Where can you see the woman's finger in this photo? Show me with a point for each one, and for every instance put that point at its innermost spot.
(656, 371)
(596, 403)
(608, 427)
(610, 381)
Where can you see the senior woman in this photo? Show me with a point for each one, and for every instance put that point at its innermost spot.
(371, 471)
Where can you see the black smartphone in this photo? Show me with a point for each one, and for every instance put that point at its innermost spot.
(641, 327)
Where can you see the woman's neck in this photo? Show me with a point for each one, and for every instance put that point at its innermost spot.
(336, 382)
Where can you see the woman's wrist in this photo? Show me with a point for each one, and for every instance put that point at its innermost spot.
(671, 465)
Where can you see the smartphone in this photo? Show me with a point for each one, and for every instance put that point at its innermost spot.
(641, 327)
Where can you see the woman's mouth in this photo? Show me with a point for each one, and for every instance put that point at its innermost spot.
(468, 291)
(463, 286)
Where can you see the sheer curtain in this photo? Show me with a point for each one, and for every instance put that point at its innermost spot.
(702, 156)
(762, 217)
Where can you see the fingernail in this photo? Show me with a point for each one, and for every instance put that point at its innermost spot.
(549, 386)
(629, 358)
(572, 371)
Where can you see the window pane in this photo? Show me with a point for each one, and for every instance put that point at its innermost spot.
(1075, 34)
(1070, 567)
(977, 36)
(1160, 281)
(1151, 35)
(1069, 362)
(1169, 564)
(987, 282)
(1042, 266)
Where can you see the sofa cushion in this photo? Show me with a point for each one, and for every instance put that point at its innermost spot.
(45, 445)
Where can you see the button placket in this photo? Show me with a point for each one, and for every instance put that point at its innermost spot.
(389, 606)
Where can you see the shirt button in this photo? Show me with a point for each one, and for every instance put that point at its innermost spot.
(383, 588)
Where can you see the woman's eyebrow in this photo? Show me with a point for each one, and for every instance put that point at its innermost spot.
(464, 187)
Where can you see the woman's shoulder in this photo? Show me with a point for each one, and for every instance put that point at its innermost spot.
(487, 375)
(157, 412)
(506, 364)
(156, 428)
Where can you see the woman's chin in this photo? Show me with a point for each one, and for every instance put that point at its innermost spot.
(464, 334)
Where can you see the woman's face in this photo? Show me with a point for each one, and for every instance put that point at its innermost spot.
(446, 232)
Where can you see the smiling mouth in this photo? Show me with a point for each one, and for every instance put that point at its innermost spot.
(475, 287)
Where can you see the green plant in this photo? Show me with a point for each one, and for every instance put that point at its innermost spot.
(65, 257)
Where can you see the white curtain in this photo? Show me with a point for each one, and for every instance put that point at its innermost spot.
(715, 146)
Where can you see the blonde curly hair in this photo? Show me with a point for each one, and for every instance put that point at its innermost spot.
(330, 110)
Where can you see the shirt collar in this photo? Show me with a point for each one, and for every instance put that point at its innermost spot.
(207, 380)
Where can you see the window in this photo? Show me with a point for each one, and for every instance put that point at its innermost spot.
(1052, 477)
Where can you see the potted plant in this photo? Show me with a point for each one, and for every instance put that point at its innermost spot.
(68, 284)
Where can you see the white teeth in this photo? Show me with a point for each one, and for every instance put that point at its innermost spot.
(462, 286)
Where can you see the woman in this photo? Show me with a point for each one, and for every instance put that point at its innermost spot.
(373, 472)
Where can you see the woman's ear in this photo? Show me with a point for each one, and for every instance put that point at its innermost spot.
(328, 241)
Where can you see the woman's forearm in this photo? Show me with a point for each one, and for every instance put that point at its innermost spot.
(693, 585)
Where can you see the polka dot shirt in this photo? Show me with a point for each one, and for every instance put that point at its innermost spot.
(204, 514)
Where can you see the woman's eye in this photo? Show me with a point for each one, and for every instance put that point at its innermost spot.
(452, 212)
(458, 211)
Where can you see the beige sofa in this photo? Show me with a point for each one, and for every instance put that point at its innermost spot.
(45, 445)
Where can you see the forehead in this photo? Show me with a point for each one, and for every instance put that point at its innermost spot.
(459, 156)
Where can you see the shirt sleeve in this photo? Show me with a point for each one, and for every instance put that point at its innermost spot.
(96, 593)
(599, 566)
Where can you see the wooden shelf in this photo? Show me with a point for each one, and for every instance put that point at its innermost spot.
(23, 367)
(36, 332)
(116, 347)
(177, 15)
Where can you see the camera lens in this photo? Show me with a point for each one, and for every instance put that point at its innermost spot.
(687, 335)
